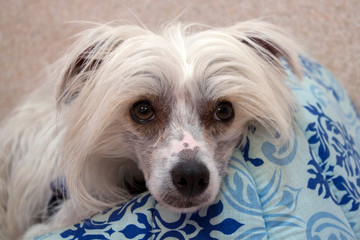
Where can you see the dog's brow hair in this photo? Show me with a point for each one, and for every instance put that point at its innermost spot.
(146, 73)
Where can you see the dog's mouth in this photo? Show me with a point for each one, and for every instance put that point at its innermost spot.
(179, 203)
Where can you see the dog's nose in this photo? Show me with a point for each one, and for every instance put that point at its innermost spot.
(190, 178)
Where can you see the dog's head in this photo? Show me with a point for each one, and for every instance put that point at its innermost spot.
(177, 103)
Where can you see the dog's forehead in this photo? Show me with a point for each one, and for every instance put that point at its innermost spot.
(177, 68)
(179, 61)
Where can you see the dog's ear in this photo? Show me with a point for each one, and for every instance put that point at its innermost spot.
(269, 49)
(270, 42)
(80, 67)
(87, 55)
(76, 74)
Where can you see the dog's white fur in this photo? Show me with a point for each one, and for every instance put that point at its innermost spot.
(86, 132)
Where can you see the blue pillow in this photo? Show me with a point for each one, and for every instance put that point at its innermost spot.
(308, 189)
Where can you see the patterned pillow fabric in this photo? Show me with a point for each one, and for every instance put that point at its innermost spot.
(307, 189)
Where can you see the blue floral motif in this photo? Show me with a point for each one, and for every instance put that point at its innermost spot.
(80, 231)
(347, 115)
(325, 134)
(135, 203)
(270, 150)
(245, 150)
(319, 180)
(245, 199)
(152, 226)
(83, 230)
(273, 153)
(133, 230)
(227, 226)
(289, 197)
(324, 225)
(314, 71)
(241, 193)
(320, 133)
(193, 227)
(179, 228)
(270, 193)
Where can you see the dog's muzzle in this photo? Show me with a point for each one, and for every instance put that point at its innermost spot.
(190, 178)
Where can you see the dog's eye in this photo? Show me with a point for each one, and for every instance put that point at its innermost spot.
(142, 112)
(224, 111)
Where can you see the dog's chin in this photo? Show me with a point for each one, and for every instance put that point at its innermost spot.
(185, 204)
(182, 209)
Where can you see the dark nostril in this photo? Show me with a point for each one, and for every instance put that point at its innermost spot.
(180, 181)
(190, 178)
(203, 182)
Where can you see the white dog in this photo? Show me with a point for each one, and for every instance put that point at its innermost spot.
(132, 106)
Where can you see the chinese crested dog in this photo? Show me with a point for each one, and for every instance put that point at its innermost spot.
(127, 109)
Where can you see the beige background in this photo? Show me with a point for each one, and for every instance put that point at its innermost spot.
(34, 33)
